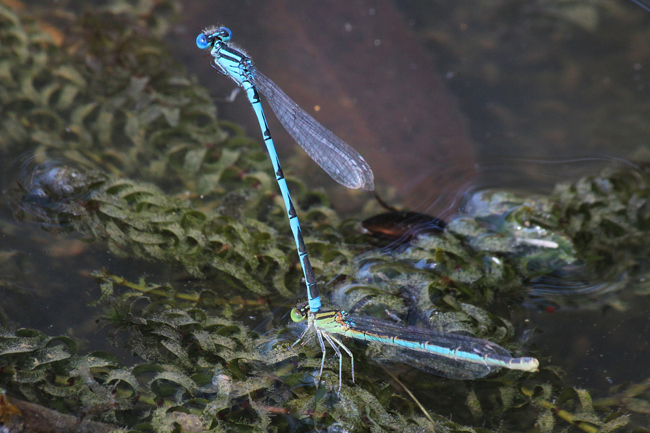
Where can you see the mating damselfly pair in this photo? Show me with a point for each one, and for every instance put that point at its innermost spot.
(449, 355)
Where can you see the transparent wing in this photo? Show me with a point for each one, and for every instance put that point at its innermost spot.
(337, 158)
(451, 367)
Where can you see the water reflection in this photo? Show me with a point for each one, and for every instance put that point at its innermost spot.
(49, 191)
(576, 286)
(557, 272)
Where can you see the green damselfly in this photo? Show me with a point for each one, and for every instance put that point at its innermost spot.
(448, 355)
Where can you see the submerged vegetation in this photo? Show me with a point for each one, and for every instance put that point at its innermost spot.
(123, 148)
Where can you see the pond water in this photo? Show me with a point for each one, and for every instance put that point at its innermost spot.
(447, 101)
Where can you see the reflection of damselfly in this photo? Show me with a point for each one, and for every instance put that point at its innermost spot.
(448, 355)
(339, 160)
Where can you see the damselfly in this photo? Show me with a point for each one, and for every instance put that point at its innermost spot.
(339, 160)
(449, 355)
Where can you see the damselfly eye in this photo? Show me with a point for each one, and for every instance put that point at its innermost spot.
(202, 41)
(296, 315)
(224, 34)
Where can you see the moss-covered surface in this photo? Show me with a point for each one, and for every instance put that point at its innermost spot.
(125, 149)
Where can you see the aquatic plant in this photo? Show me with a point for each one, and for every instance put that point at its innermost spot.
(126, 150)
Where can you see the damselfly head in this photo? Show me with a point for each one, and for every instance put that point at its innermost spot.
(210, 35)
(300, 312)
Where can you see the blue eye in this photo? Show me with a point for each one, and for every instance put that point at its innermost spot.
(202, 41)
(225, 34)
